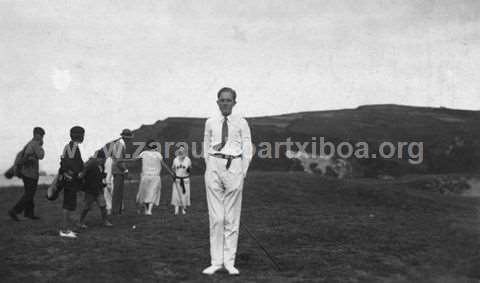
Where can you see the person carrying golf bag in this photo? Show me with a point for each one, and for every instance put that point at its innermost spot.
(94, 184)
(27, 168)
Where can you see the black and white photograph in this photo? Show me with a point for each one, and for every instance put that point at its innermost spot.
(240, 141)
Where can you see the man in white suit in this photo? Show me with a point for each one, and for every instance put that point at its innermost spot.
(227, 153)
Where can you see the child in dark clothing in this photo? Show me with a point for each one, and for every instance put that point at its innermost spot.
(94, 175)
(71, 165)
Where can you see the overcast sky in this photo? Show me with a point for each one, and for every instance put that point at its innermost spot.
(108, 65)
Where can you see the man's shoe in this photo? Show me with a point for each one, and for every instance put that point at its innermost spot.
(68, 234)
(33, 217)
(107, 223)
(13, 215)
(211, 269)
(232, 270)
(82, 225)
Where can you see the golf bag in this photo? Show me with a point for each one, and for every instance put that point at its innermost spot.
(56, 187)
(16, 169)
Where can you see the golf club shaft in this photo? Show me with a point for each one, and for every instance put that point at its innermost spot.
(263, 248)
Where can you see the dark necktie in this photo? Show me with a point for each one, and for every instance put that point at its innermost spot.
(224, 133)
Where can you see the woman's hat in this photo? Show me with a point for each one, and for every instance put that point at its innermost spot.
(151, 144)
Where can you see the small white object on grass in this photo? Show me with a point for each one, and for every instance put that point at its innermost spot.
(134, 227)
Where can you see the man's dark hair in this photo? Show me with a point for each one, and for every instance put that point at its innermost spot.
(38, 131)
(77, 133)
(100, 154)
(227, 89)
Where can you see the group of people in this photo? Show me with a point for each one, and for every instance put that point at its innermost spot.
(150, 183)
(101, 179)
(227, 153)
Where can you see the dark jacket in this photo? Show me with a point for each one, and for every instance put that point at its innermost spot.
(71, 163)
(94, 175)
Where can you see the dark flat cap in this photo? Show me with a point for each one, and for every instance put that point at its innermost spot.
(126, 133)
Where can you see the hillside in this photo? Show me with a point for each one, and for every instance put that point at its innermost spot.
(451, 137)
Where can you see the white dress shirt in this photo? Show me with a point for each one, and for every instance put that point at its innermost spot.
(239, 141)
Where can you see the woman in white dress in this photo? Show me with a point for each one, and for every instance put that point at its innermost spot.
(181, 187)
(150, 182)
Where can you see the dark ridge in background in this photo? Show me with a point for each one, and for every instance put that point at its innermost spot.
(451, 137)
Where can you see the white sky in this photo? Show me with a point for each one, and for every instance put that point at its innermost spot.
(108, 65)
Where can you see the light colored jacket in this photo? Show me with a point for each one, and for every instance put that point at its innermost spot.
(119, 150)
(33, 153)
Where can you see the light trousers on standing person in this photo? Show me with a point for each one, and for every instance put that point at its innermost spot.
(224, 197)
(117, 197)
(107, 193)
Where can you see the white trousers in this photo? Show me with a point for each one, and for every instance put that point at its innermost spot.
(224, 197)
(107, 193)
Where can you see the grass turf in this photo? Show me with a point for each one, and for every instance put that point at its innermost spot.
(314, 229)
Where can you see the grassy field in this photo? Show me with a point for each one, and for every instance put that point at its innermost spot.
(315, 229)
